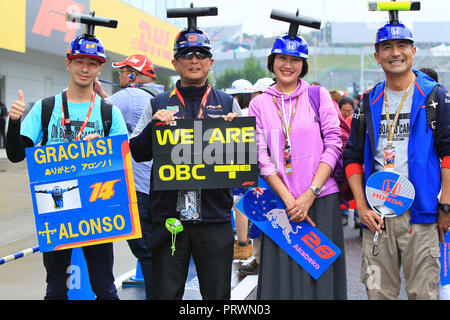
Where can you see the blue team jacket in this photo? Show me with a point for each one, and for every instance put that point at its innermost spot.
(423, 151)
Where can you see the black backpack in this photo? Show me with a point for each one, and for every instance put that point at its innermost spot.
(153, 92)
(47, 109)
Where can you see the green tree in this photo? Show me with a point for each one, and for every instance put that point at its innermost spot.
(226, 78)
(253, 70)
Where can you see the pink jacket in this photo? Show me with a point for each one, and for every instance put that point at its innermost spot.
(308, 148)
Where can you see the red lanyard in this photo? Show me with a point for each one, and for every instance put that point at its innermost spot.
(65, 121)
(202, 105)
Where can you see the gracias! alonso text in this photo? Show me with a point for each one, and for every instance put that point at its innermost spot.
(73, 151)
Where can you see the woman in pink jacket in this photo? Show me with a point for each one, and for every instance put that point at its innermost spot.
(296, 157)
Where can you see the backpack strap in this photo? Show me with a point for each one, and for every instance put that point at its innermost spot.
(362, 120)
(106, 113)
(432, 110)
(47, 109)
(152, 91)
(314, 100)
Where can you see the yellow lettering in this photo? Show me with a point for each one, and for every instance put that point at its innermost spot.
(217, 135)
(183, 172)
(90, 150)
(69, 151)
(233, 133)
(187, 136)
(51, 153)
(72, 235)
(80, 227)
(110, 146)
(93, 226)
(107, 224)
(248, 134)
(194, 172)
(62, 153)
(162, 176)
(83, 155)
(63, 232)
(122, 221)
(172, 135)
(96, 227)
(39, 156)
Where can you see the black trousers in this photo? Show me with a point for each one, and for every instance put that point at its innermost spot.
(99, 260)
(211, 246)
(140, 248)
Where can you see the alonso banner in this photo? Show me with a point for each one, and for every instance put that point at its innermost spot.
(312, 250)
(207, 153)
(83, 193)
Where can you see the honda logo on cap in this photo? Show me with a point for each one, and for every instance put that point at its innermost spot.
(396, 31)
(291, 45)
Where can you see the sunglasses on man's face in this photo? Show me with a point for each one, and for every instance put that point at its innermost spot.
(189, 55)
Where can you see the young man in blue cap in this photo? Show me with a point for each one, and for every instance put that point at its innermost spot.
(85, 58)
(394, 114)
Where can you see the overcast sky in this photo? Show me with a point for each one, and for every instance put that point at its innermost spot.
(254, 15)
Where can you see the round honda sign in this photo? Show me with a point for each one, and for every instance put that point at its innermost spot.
(389, 194)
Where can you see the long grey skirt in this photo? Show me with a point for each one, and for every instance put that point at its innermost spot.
(281, 278)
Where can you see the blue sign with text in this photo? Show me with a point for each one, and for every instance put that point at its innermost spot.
(311, 249)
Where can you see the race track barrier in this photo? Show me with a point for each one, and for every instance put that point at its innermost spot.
(19, 255)
(78, 290)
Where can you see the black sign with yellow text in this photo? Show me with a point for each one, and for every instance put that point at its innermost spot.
(191, 154)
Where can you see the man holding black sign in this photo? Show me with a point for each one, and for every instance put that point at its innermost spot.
(206, 213)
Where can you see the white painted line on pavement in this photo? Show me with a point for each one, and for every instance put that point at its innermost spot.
(118, 282)
(240, 292)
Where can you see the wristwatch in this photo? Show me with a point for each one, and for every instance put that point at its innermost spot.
(444, 207)
(316, 190)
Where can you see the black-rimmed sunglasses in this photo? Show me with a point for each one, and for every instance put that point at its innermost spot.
(189, 55)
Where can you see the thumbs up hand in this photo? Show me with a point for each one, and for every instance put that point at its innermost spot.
(17, 108)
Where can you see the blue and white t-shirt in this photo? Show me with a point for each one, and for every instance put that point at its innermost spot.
(31, 126)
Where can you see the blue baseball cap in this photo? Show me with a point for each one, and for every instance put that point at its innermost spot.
(189, 38)
(86, 46)
(297, 47)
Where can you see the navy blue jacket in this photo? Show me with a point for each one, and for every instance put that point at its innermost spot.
(423, 151)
